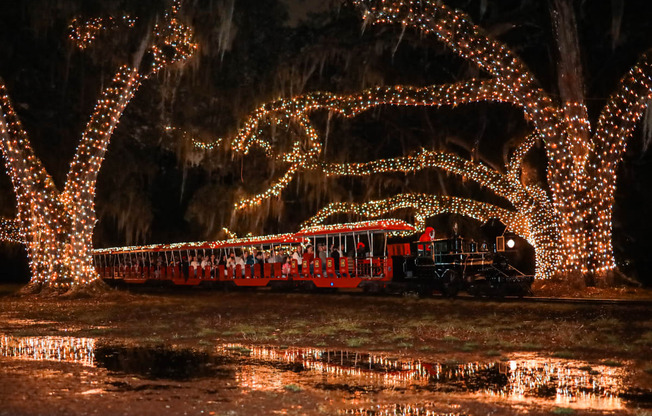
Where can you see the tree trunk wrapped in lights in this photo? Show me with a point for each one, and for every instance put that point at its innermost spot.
(57, 227)
(573, 218)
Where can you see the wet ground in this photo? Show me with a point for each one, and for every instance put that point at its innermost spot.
(265, 353)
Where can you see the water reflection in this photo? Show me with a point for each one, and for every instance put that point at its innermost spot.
(523, 378)
(358, 378)
(68, 349)
(157, 362)
(398, 410)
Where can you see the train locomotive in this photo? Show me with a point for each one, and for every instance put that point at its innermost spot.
(451, 265)
(445, 266)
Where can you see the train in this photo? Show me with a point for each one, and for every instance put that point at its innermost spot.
(370, 263)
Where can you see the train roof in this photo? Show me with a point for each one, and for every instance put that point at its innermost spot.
(376, 226)
(384, 226)
(208, 245)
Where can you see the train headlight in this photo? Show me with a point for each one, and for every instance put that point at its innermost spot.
(511, 243)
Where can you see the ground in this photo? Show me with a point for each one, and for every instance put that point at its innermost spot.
(209, 352)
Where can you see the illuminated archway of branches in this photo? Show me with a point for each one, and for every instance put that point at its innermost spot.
(57, 226)
(575, 213)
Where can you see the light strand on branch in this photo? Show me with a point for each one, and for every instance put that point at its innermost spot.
(427, 206)
(83, 34)
(10, 231)
(58, 227)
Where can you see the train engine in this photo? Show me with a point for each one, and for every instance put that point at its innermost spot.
(451, 265)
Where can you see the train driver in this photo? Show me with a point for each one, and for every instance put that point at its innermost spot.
(428, 235)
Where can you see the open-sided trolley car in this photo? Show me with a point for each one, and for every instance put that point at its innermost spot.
(364, 261)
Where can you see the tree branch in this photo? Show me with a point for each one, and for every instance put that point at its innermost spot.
(426, 206)
(621, 114)
(10, 231)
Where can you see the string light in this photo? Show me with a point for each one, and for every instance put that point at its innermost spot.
(10, 231)
(574, 224)
(58, 226)
(83, 34)
(427, 206)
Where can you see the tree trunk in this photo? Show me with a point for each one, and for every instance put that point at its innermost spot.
(59, 256)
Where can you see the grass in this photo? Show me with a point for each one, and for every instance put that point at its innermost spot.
(357, 342)
(207, 332)
(529, 346)
(563, 411)
(336, 320)
(564, 354)
(469, 346)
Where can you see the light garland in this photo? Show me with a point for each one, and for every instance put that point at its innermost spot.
(10, 231)
(196, 143)
(427, 206)
(83, 34)
(574, 225)
(58, 226)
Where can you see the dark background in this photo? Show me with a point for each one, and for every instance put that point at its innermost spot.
(154, 188)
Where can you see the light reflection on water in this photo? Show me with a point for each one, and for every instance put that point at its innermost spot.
(524, 378)
(68, 349)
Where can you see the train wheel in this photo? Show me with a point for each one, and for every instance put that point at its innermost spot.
(451, 284)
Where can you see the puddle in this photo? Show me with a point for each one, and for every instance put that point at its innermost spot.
(158, 362)
(524, 378)
(348, 382)
(68, 349)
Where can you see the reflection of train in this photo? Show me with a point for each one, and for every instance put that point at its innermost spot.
(365, 261)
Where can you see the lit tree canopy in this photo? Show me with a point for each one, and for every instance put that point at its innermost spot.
(570, 221)
(56, 226)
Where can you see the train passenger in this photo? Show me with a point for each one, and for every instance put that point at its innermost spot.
(322, 255)
(240, 261)
(213, 264)
(308, 256)
(297, 255)
(270, 257)
(361, 250)
(335, 254)
(248, 258)
(185, 267)
(194, 263)
(286, 266)
(279, 257)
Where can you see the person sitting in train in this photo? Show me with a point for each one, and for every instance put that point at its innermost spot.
(308, 256)
(185, 267)
(335, 254)
(297, 255)
(239, 260)
(322, 255)
(280, 257)
(194, 263)
(205, 262)
(361, 250)
(248, 258)
(230, 262)
(286, 266)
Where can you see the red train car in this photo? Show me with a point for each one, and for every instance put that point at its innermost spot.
(345, 256)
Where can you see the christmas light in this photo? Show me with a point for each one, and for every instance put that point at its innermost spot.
(57, 227)
(571, 226)
(83, 34)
